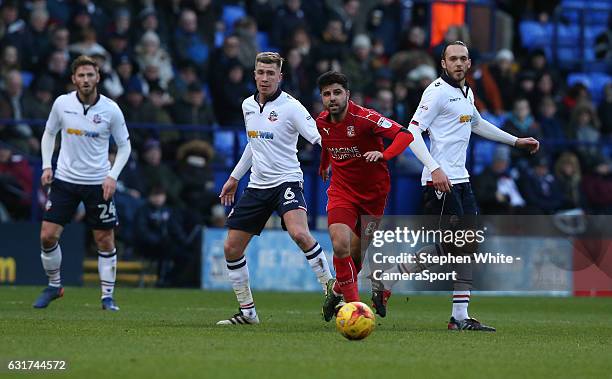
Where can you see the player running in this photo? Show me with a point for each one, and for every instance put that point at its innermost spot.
(86, 120)
(447, 112)
(273, 121)
(352, 140)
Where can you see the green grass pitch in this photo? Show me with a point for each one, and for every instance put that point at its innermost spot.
(172, 334)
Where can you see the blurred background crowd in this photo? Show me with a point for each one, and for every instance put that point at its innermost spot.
(179, 69)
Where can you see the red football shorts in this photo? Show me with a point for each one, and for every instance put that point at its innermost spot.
(341, 210)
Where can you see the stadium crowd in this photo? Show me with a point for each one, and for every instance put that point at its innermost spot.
(177, 62)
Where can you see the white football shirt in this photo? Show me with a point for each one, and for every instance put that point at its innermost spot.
(272, 131)
(448, 114)
(86, 131)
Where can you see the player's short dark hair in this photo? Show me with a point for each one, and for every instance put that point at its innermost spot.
(83, 60)
(460, 43)
(332, 77)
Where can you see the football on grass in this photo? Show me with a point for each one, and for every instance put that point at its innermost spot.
(355, 320)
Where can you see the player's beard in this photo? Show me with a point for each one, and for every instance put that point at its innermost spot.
(458, 75)
(86, 92)
(340, 108)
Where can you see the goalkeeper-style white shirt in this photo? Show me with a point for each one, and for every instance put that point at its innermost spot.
(86, 130)
(272, 131)
(448, 113)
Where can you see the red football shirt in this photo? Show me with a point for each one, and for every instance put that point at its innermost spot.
(362, 130)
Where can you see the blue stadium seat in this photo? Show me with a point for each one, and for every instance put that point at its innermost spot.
(263, 40)
(231, 14)
(483, 151)
(223, 142)
(535, 34)
(26, 78)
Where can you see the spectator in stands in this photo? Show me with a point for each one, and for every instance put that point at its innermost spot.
(414, 39)
(545, 87)
(15, 183)
(605, 111)
(209, 14)
(9, 60)
(333, 44)
(195, 109)
(245, 30)
(301, 40)
(503, 74)
(576, 94)
(404, 61)
(150, 53)
(487, 96)
(188, 44)
(159, 234)
(194, 158)
(125, 70)
(88, 44)
(525, 88)
(110, 83)
(359, 65)
(522, 124)
(153, 172)
(60, 41)
(161, 23)
(99, 19)
(136, 111)
(383, 103)
(223, 58)
(348, 14)
(496, 189)
(57, 69)
(295, 77)
(567, 173)
(39, 100)
(289, 17)
(36, 40)
(541, 189)
(18, 134)
(118, 46)
(384, 23)
(551, 126)
(418, 79)
(187, 74)
(12, 27)
(400, 103)
(584, 125)
(121, 24)
(597, 187)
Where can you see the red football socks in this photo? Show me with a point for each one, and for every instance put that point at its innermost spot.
(346, 278)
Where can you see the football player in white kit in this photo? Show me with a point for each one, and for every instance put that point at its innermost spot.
(273, 121)
(86, 120)
(447, 112)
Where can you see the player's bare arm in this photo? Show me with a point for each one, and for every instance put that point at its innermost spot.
(229, 191)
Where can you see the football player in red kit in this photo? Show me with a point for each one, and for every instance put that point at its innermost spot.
(352, 141)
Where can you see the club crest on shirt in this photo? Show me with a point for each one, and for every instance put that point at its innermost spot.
(97, 119)
(350, 131)
(273, 116)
